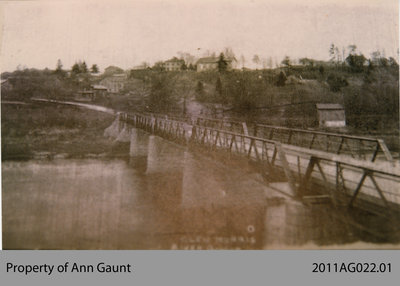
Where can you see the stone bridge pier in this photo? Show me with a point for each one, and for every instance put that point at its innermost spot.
(138, 149)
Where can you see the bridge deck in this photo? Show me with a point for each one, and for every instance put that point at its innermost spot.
(342, 175)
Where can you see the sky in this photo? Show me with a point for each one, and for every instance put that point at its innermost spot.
(35, 34)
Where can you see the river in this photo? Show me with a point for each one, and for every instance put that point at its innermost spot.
(160, 196)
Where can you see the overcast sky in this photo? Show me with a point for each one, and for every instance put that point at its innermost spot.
(126, 33)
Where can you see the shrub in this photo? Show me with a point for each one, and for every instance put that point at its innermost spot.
(281, 79)
(336, 82)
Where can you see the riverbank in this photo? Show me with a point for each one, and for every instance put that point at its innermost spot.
(50, 131)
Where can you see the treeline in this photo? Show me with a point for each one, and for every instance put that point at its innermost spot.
(369, 95)
(28, 83)
(56, 84)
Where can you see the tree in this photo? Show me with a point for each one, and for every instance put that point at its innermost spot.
(370, 66)
(393, 63)
(334, 54)
(161, 97)
(337, 53)
(218, 87)
(184, 66)
(343, 53)
(222, 63)
(281, 79)
(94, 69)
(228, 52)
(352, 49)
(242, 60)
(286, 61)
(269, 62)
(199, 91)
(84, 68)
(375, 56)
(59, 66)
(244, 91)
(378, 59)
(356, 62)
(383, 61)
(76, 69)
(79, 67)
(264, 63)
(59, 71)
(336, 82)
(256, 60)
(187, 57)
(158, 66)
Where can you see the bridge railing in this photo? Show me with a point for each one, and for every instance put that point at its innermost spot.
(302, 165)
(354, 146)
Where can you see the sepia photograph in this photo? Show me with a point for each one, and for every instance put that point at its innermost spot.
(200, 125)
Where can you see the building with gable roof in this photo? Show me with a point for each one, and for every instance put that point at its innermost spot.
(114, 83)
(211, 63)
(173, 64)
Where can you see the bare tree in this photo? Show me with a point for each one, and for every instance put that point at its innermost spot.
(286, 61)
(228, 52)
(352, 49)
(256, 60)
(269, 62)
(264, 63)
(242, 60)
(187, 57)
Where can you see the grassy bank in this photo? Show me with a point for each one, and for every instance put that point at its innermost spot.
(46, 131)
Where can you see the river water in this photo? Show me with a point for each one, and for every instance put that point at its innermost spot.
(160, 196)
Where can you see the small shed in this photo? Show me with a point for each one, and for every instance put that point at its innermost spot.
(331, 115)
(86, 95)
(99, 90)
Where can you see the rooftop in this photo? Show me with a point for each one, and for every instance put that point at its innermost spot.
(329, 106)
(174, 60)
(211, 60)
(98, 86)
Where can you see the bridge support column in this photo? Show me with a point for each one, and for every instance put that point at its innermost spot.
(138, 149)
(125, 133)
(114, 129)
(165, 173)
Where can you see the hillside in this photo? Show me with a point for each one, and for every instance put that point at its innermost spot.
(282, 96)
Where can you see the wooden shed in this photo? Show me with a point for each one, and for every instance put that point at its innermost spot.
(99, 90)
(331, 115)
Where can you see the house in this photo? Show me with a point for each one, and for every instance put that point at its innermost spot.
(85, 95)
(331, 115)
(211, 63)
(114, 83)
(173, 64)
(96, 91)
(113, 70)
(99, 90)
